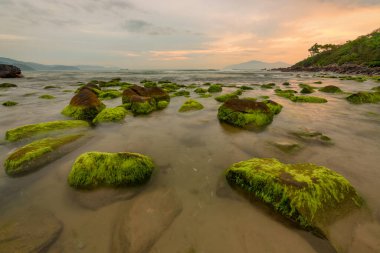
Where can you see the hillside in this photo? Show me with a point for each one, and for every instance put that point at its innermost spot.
(364, 51)
(256, 65)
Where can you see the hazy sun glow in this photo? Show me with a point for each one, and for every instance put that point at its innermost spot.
(177, 34)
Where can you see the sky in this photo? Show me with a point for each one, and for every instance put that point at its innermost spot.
(161, 34)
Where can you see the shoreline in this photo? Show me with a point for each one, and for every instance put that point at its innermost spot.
(340, 69)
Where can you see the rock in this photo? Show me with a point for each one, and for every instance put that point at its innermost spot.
(29, 232)
(101, 169)
(179, 93)
(245, 113)
(273, 106)
(377, 88)
(111, 115)
(200, 90)
(150, 215)
(225, 97)
(109, 94)
(343, 69)
(46, 96)
(268, 86)
(39, 129)
(245, 87)
(307, 90)
(91, 87)
(214, 88)
(143, 100)
(285, 93)
(9, 103)
(7, 85)
(84, 106)
(287, 147)
(310, 195)
(190, 105)
(307, 99)
(312, 136)
(331, 89)
(364, 97)
(9, 71)
(38, 153)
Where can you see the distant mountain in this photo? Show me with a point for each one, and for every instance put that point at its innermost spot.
(256, 65)
(32, 66)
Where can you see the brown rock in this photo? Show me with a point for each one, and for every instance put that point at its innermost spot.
(9, 71)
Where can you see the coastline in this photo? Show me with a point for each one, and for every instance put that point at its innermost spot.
(340, 69)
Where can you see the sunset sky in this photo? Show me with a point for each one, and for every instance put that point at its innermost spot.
(177, 34)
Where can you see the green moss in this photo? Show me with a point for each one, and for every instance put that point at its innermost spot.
(331, 89)
(99, 169)
(182, 93)
(7, 85)
(286, 83)
(377, 89)
(274, 107)
(9, 103)
(354, 78)
(145, 107)
(225, 97)
(200, 90)
(81, 112)
(206, 95)
(307, 90)
(268, 86)
(109, 94)
(308, 99)
(36, 154)
(50, 87)
(285, 93)
(318, 82)
(110, 115)
(214, 88)
(191, 105)
(150, 84)
(170, 87)
(253, 119)
(28, 131)
(308, 194)
(244, 87)
(364, 97)
(162, 104)
(46, 96)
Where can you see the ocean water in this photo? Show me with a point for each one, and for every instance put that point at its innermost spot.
(191, 151)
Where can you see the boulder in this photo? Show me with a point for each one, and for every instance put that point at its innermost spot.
(9, 103)
(84, 106)
(38, 153)
(273, 106)
(245, 113)
(7, 85)
(111, 115)
(28, 131)
(310, 195)
(148, 218)
(101, 169)
(9, 71)
(331, 89)
(225, 97)
(190, 105)
(364, 98)
(215, 88)
(29, 232)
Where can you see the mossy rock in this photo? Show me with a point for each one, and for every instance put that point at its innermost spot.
(245, 113)
(245, 87)
(225, 97)
(170, 87)
(38, 129)
(286, 83)
(36, 154)
(285, 93)
(213, 88)
(307, 90)
(46, 96)
(313, 136)
(268, 86)
(304, 85)
(307, 99)
(287, 147)
(142, 105)
(7, 85)
(91, 87)
(191, 105)
(273, 106)
(179, 93)
(150, 84)
(206, 95)
(331, 89)
(100, 169)
(200, 90)
(162, 104)
(310, 195)
(84, 106)
(318, 82)
(377, 88)
(364, 98)
(9, 103)
(111, 115)
(50, 87)
(354, 78)
(109, 94)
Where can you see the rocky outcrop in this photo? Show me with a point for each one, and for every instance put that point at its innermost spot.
(9, 71)
(342, 69)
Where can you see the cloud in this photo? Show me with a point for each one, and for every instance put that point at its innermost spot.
(12, 37)
(141, 26)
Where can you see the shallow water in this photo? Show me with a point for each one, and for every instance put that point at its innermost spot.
(191, 151)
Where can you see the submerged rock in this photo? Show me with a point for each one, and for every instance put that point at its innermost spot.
(29, 232)
(9, 103)
(287, 147)
(38, 153)
(109, 94)
(85, 106)
(9, 71)
(97, 169)
(310, 195)
(214, 88)
(308, 99)
(190, 105)
(28, 131)
(312, 136)
(179, 93)
(148, 218)
(307, 90)
(273, 106)
(7, 85)
(364, 98)
(268, 86)
(111, 115)
(245, 113)
(225, 97)
(46, 96)
(200, 90)
(331, 89)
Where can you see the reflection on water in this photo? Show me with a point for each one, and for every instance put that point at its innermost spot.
(191, 151)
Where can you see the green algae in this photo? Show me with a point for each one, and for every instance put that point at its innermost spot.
(150, 84)
(200, 90)
(46, 96)
(206, 95)
(7, 85)
(286, 83)
(109, 94)
(331, 89)
(179, 93)
(9, 103)
(50, 87)
(227, 96)
(268, 86)
(100, 169)
(251, 119)
(364, 98)
(190, 105)
(274, 107)
(289, 148)
(28, 131)
(32, 156)
(162, 104)
(82, 112)
(307, 99)
(110, 115)
(245, 87)
(213, 88)
(377, 89)
(145, 107)
(285, 93)
(170, 87)
(310, 195)
(307, 90)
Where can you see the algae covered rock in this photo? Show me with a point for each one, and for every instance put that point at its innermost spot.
(245, 113)
(214, 88)
(307, 99)
(7, 85)
(46, 96)
(310, 195)
(179, 93)
(307, 90)
(273, 106)
(97, 169)
(9, 103)
(190, 105)
(225, 97)
(38, 153)
(364, 98)
(28, 131)
(200, 90)
(85, 106)
(312, 136)
(331, 89)
(109, 94)
(110, 115)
